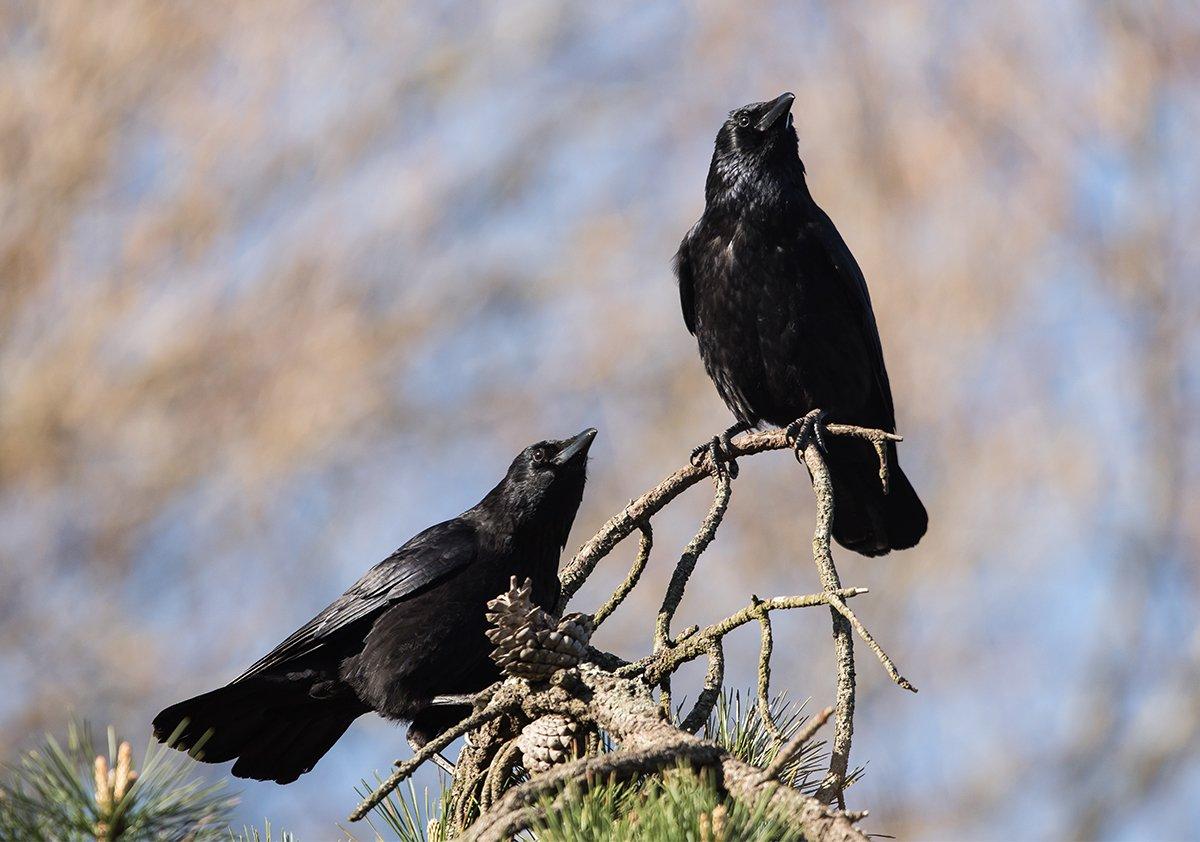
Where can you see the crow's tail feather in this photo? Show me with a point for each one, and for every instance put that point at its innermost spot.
(865, 519)
(272, 725)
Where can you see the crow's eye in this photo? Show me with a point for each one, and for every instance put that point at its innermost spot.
(743, 121)
(539, 456)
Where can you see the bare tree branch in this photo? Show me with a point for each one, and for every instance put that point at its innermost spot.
(694, 645)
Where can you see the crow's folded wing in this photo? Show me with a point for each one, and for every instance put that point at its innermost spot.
(428, 558)
(685, 273)
(855, 286)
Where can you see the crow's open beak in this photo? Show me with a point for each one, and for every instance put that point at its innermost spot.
(575, 446)
(780, 106)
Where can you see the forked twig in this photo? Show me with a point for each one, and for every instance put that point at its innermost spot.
(695, 645)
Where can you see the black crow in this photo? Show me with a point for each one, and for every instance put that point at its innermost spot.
(783, 319)
(408, 631)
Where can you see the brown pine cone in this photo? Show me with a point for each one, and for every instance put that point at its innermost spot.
(529, 643)
(548, 741)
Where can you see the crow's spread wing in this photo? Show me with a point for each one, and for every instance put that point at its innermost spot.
(428, 558)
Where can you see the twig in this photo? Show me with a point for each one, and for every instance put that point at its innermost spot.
(669, 660)
(631, 580)
(622, 524)
(868, 638)
(843, 636)
(766, 646)
(711, 691)
(879, 439)
(722, 489)
(407, 767)
(687, 560)
(796, 743)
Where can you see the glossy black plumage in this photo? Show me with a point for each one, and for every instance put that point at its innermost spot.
(783, 319)
(411, 629)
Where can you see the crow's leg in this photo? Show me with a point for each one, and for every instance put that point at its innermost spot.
(720, 450)
(804, 430)
(457, 699)
(438, 759)
(442, 713)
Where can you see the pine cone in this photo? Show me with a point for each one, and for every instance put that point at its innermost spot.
(529, 643)
(548, 741)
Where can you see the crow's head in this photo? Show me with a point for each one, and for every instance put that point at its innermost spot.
(544, 484)
(756, 143)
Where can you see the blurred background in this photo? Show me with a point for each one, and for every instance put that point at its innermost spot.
(283, 283)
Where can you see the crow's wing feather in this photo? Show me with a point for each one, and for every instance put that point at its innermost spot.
(856, 285)
(686, 276)
(428, 558)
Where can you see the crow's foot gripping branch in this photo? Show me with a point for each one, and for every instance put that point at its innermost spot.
(720, 451)
(804, 430)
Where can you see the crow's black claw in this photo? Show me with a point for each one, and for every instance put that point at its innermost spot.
(804, 430)
(720, 451)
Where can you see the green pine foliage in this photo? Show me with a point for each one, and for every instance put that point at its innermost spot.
(681, 805)
(252, 834)
(409, 816)
(738, 727)
(71, 792)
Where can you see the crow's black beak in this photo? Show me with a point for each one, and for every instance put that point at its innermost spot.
(575, 446)
(780, 106)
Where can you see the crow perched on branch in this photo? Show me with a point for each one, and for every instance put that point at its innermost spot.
(783, 319)
(408, 631)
